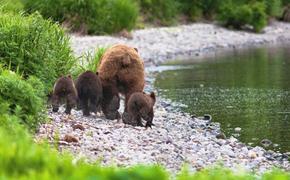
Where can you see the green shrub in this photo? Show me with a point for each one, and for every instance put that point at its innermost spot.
(237, 16)
(191, 8)
(273, 7)
(285, 2)
(22, 159)
(210, 8)
(88, 62)
(259, 19)
(14, 6)
(21, 98)
(159, 11)
(38, 86)
(34, 46)
(88, 16)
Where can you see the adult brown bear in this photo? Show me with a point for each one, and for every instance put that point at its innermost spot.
(121, 70)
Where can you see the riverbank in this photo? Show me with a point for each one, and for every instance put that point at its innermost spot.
(177, 138)
(195, 41)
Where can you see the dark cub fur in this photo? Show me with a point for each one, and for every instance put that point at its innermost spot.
(90, 92)
(140, 105)
(64, 89)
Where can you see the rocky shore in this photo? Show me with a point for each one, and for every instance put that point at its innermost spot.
(158, 45)
(177, 138)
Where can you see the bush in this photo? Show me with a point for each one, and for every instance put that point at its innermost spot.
(210, 8)
(237, 16)
(20, 98)
(159, 11)
(88, 16)
(88, 62)
(259, 18)
(34, 46)
(273, 7)
(191, 8)
(14, 6)
(285, 2)
(22, 159)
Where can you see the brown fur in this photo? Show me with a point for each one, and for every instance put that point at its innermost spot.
(90, 92)
(140, 105)
(64, 89)
(121, 71)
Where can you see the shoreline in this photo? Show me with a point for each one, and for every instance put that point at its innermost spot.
(177, 138)
(194, 41)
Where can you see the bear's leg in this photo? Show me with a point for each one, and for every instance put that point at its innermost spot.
(93, 104)
(85, 106)
(139, 121)
(71, 101)
(110, 103)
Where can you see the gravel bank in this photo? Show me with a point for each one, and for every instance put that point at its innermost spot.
(158, 45)
(176, 138)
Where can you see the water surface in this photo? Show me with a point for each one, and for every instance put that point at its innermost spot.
(247, 89)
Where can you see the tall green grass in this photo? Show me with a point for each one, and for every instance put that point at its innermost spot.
(88, 16)
(34, 46)
(11, 6)
(88, 62)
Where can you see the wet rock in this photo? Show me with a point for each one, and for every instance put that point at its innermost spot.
(238, 129)
(266, 142)
(221, 136)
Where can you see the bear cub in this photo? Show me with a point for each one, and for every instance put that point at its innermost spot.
(140, 105)
(64, 89)
(90, 92)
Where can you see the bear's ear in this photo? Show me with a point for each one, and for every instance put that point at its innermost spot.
(152, 95)
(97, 73)
(69, 76)
(136, 49)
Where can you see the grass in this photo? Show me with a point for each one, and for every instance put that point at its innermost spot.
(88, 62)
(34, 46)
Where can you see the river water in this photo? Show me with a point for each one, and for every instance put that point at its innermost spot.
(248, 89)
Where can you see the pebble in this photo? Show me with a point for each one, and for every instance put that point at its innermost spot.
(238, 129)
(252, 154)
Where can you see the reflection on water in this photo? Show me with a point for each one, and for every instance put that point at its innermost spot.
(249, 89)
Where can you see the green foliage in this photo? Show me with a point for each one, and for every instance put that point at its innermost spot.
(34, 46)
(159, 11)
(191, 8)
(285, 2)
(237, 16)
(14, 6)
(273, 7)
(210, 7)
(88, 16)
(88, 62)
(38, 86)
(259, 18)
(22, 159)
(19, 98)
